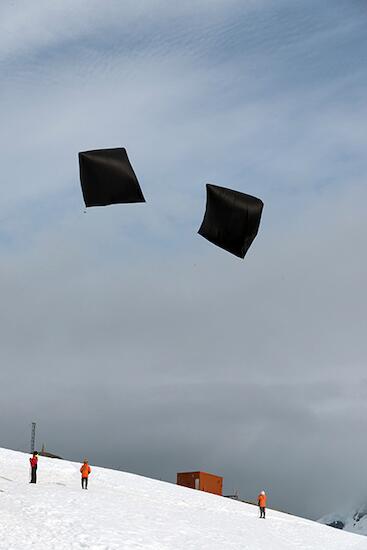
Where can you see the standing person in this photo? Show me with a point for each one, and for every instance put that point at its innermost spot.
(33, 462)
(85, 470)
(262, 504)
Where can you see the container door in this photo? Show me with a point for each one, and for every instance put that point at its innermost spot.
(197, 483)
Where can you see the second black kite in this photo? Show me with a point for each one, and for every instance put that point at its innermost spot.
(231, 219)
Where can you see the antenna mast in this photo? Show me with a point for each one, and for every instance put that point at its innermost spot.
(33, 437)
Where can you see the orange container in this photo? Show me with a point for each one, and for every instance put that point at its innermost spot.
(201, 481)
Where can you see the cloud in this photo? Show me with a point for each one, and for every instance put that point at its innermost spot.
(40, 26)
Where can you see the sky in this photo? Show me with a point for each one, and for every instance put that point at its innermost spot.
(125, 335)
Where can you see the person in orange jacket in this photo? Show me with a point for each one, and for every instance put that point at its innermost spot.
(33, 462)
(85, 470)
(262, 504)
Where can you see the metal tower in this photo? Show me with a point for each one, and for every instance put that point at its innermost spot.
(33, 437)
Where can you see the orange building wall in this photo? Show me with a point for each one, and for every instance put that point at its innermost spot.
(203, 481)
(187, 479)
(211, 483)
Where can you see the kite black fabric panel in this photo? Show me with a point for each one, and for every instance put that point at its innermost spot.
(231, 219)
(107, 177)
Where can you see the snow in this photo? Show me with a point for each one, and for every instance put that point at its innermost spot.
(354, 521)
(122, 511)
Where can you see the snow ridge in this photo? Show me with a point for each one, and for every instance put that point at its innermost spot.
(122, 511)
(353, 522)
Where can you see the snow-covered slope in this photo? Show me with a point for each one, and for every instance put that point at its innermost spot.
(353, 522)
(123, 511)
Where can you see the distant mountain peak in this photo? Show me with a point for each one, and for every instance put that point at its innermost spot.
(354, 521)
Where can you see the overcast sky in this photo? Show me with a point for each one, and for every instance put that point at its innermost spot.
(124, 334)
